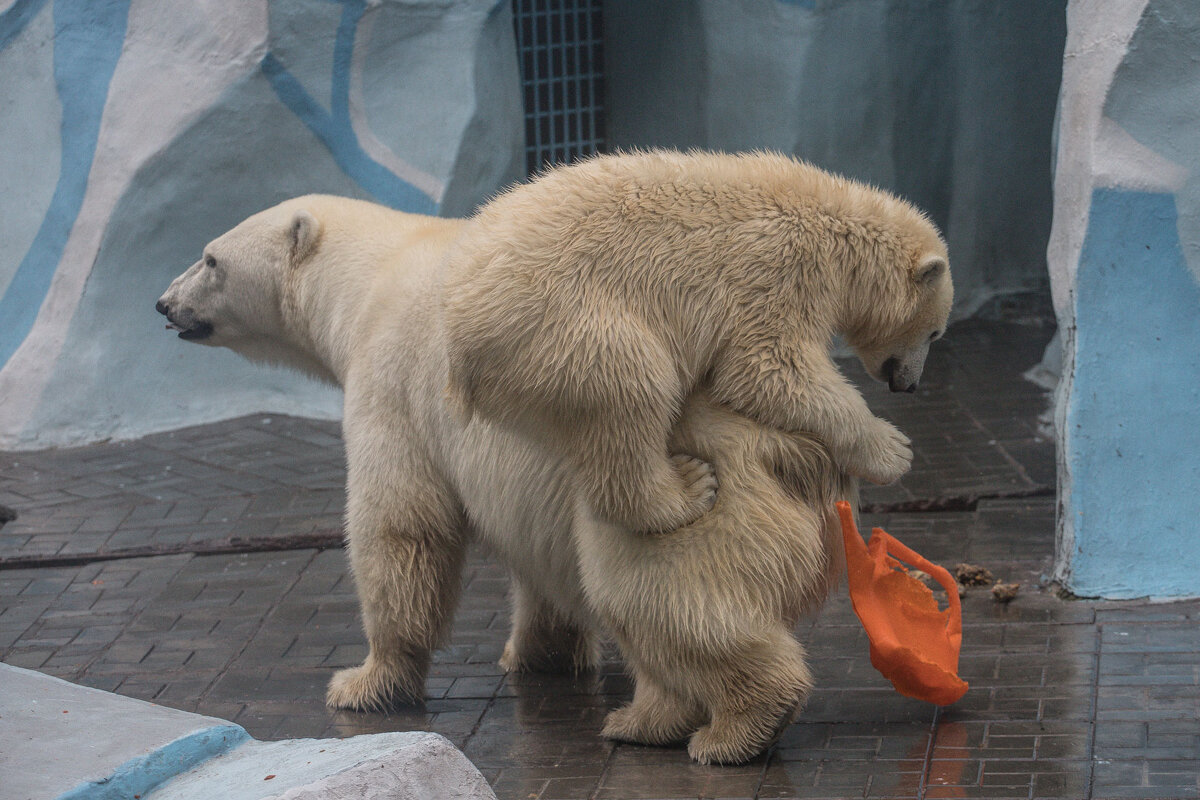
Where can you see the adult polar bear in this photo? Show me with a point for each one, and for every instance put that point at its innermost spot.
(352, 293)
(586, 306)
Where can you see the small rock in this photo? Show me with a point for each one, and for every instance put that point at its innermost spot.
(1005, 592)
(923, 577)
(973, 575)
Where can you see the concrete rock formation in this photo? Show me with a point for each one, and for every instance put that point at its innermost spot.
(135, 132)
(1125, 269)
(70, 742)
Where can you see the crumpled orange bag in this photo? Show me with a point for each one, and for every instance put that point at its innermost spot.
(913, 643)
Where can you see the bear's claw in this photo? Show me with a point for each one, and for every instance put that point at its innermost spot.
(699, 483)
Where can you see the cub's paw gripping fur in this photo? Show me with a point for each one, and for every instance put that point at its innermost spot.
(699, 485)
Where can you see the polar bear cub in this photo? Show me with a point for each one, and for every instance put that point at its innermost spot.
(585, 307)
(351, 293)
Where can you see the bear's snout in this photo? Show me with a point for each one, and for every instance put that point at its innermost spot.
(185, 321)
(897, 377)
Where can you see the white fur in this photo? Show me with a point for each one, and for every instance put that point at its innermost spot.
(352, 293)
(585, 307)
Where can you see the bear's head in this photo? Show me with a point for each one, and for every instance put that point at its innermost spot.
(893, 339)
(234, 295)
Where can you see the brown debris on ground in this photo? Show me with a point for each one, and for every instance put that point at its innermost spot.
(973, 575)
(1005, 592)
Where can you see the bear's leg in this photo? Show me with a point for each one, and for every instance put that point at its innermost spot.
(793, 386)
(627, 476)
(609, 402)
(407, 540)
(654, 717)
(755, 697)
(542, 641)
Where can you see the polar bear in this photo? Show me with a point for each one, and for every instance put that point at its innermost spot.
(351, 293)
(586, 306)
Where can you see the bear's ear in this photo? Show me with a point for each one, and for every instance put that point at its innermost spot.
(931, 270)
(303, 234)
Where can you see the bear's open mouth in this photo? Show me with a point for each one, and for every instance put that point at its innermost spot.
(200, 330)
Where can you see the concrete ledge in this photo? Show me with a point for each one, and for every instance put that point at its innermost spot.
(421, 766)
(66, 742)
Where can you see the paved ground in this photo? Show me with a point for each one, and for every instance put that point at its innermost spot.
(199, 569)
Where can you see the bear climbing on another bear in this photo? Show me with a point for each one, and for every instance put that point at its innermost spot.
(631, 307)
(584, 308)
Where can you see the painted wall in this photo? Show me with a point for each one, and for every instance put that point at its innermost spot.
(950, 104)
(1125, 267)
(133, 131)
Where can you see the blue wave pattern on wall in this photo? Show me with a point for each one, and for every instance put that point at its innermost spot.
(88, 37)
(335, 130)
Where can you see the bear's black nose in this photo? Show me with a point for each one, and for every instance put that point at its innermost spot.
(161, 307)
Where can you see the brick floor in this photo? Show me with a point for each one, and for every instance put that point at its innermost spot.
(250, 481)
(1069, 698)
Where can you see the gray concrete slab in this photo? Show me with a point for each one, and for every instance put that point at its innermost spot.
(1069, 698)
(396, 766)
(60, 740)
(65, 742)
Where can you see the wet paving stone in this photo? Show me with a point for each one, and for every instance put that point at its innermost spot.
(1068, 698)
(1056, 709)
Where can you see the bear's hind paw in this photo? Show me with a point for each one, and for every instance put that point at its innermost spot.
(370, 688)
(737, 738)
(665, 726)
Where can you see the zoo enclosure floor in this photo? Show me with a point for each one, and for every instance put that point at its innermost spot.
(200, 569)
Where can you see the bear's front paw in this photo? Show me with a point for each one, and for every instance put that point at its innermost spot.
(373, 687)
(679, 491)
(884, 455)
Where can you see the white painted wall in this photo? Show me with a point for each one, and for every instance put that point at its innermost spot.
(180, 118)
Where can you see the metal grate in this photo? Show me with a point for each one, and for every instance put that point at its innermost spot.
(561, 50)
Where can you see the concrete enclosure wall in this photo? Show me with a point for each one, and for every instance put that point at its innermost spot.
(950, 104)
(1125, 270)
(133, 131)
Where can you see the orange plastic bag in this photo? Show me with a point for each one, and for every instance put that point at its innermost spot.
(913, 643)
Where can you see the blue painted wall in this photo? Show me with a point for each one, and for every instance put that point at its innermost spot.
(1125, 261)
(1133, 444)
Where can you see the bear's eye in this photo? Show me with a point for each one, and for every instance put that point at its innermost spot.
(209, 261)
(933, 337)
